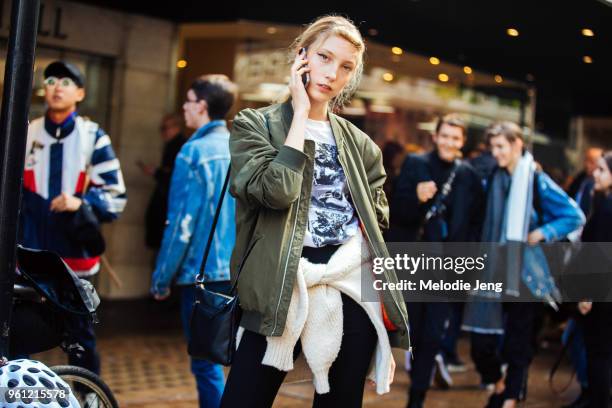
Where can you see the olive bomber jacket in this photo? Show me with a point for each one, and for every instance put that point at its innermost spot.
(272, 185)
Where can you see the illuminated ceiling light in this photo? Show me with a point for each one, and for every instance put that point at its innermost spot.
(271, 30)
(397, 51)
(443, 78)
(434, 61)
(467, 70)
(587, 32)
(587, 59)
(512, 32)
(181, 64)
(372, 32)
(387, 76)
(498, 79)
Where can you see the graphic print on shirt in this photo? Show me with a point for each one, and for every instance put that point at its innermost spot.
(331, 217)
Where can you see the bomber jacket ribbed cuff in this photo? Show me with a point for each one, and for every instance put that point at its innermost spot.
(292, 158)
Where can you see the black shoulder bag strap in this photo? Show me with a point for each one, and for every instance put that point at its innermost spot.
(200, 277)
(444, 192)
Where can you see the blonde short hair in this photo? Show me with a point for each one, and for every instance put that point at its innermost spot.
(321, 29)
(510, 130)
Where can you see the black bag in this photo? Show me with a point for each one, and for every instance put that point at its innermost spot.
(85, 229)
(215, 316)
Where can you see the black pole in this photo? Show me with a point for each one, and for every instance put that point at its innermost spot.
(13, 133)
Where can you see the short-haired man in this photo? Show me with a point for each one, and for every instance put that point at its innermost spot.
(72, 178)
(195, 189)
(438, 179)
(523, 205)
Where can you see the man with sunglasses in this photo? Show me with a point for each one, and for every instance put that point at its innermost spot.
(72, 183)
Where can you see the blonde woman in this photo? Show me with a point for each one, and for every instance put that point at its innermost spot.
(310, 208)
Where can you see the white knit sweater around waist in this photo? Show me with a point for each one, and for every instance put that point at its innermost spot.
(315, 317)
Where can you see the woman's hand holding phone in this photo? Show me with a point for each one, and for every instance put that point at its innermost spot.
(301, 102)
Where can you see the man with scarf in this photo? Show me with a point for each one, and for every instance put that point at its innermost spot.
(523, 206)
(436, 199)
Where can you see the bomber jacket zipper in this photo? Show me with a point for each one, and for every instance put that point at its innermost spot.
(280, 296)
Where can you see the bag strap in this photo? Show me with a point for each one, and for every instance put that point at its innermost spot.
(444, 192)
(557, 363)
(200, 277)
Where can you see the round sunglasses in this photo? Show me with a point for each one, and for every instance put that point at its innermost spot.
(63, 82)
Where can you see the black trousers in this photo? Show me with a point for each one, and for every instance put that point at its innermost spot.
(428, 323)
(251, 384)
(516, 349)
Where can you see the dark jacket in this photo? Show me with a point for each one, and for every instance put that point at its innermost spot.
(581, 190)
(155, 216)
(464, 203)
(598, 323)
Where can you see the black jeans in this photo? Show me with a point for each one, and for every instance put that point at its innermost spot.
(82, 331)
(251, 384)
(516, 349)
(428, 323)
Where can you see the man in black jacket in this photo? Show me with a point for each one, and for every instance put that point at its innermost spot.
(420, 186)
(170, 130)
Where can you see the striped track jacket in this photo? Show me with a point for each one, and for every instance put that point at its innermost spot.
(74, 157)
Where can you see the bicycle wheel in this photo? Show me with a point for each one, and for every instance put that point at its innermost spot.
(87, 387)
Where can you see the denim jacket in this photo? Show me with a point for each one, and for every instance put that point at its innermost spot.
(560, 214)
(195, 189)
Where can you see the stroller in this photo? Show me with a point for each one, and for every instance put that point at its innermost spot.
(49, 301)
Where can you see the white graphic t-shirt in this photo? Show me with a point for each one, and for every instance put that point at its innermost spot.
(331, 217)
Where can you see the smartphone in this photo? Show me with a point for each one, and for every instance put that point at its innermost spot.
(305, 75)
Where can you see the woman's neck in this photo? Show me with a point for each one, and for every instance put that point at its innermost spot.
(318, 111)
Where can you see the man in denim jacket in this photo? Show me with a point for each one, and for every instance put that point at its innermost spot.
(199, 172)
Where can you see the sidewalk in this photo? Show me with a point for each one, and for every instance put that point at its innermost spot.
(153, 372)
